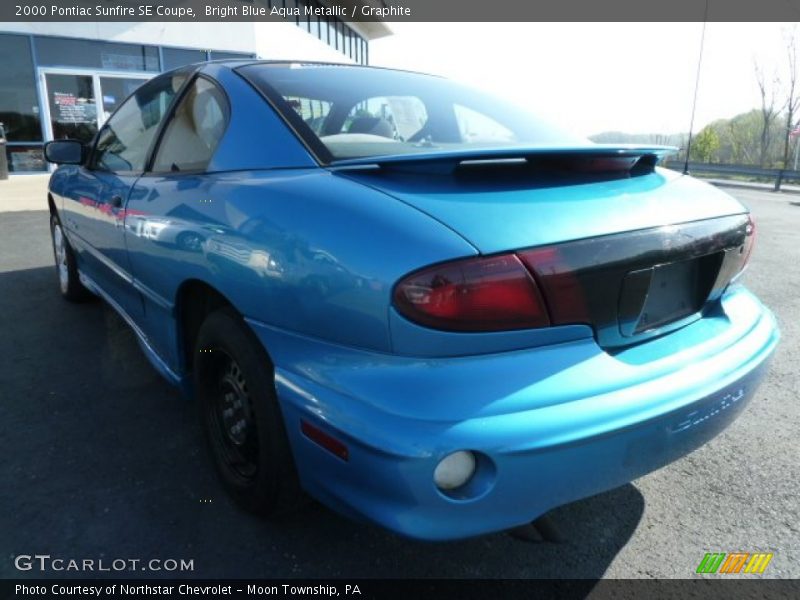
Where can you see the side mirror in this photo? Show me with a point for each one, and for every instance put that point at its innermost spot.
(65, 152)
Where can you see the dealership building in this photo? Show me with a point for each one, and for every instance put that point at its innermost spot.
(64, 79)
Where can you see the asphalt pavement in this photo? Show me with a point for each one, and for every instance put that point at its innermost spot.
(102, 459)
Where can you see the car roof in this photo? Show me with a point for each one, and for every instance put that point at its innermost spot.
(235, 63)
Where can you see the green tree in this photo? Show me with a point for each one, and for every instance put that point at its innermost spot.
(740, 139)
(768, 114)
(705, 145)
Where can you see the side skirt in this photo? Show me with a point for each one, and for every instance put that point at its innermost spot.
(155, 359)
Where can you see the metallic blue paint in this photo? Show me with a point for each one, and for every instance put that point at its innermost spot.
(309, 256)
(509, 153)
(499, 216)
(556, 423)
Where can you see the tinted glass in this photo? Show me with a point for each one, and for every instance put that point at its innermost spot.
(26, 158)
(393, 117)
(96, 54)
(125, 139)
(379, 112)
(325, 30)
(339, 36)
(194, 131)
(19, 108)
(314, 112)
(475, 127)
(115, 90)
(73, 111)
(177, 57)
(229, 55)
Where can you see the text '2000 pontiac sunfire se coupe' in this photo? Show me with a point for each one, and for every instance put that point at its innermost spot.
(411, 300)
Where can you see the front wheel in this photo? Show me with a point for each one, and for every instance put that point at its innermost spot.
(233, 378)
(66, 267)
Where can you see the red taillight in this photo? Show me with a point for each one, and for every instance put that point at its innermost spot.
(476, 294)
(565, 295)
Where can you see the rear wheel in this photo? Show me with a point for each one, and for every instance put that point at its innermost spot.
(66, 267)
(233, 378)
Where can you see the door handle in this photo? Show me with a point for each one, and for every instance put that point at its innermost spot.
(115, 201)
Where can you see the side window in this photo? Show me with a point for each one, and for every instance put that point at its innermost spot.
(477, 128)
(195, 129)
(124, 141)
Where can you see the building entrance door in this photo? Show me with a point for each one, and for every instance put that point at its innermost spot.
(72, 106)
(79, 102)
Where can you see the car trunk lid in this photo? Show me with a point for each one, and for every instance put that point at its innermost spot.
(503, 199)
(611, 241)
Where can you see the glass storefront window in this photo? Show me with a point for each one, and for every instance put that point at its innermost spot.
(19, 107)
(52, 51)
(331, 31)
(339, 36)
(229, 55)
(69, 97)
(115, 90)
(325, 30)
(25, 158)
(73, 111)
(178, 57)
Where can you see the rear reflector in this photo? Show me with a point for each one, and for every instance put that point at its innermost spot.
(327, 441)
(476, 294)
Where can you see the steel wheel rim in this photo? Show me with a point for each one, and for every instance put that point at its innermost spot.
(232, 418)
(60, 247)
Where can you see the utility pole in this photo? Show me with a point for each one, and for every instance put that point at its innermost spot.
(794, 133)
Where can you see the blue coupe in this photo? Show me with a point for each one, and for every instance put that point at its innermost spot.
(411, 300)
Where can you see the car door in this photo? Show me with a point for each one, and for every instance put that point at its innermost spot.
(97, 196)
(170, 221)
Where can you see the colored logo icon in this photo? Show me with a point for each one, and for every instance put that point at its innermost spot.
(734, 562)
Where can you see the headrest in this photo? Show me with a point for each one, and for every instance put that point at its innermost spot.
(206, 117)
(372, 125)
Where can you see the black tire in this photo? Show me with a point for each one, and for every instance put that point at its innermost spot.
(66, 267)
(243, 423)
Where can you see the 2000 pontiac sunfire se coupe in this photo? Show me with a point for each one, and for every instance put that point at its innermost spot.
(410, 299)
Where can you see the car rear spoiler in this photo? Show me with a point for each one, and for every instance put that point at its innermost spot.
(608, 159)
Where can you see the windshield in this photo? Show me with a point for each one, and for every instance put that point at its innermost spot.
(344, 112)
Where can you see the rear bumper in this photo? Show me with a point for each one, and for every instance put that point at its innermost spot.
(551, 425)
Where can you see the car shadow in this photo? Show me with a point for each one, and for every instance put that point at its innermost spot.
(109, 462)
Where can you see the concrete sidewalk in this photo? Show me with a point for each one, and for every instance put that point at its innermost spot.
(24, 192)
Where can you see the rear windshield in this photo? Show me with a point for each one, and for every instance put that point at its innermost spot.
(344, 112)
